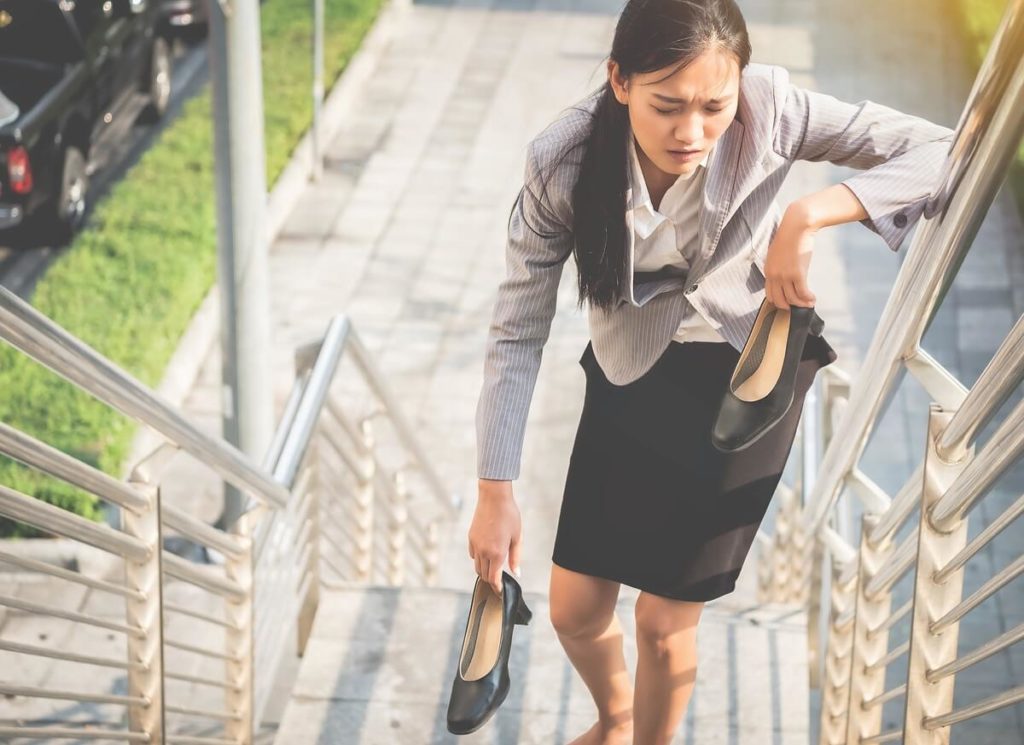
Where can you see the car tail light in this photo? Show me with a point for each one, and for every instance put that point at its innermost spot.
(19, 170)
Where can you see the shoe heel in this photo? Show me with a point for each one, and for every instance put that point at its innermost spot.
(522, 613)
(817, 325)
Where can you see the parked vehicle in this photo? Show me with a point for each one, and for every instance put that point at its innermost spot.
(68, 70)
(187, 17)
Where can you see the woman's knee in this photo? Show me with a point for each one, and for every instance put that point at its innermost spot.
(580, 605)
(666, 623)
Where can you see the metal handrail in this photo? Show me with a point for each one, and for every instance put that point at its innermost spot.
(948, 482)
(269, 577)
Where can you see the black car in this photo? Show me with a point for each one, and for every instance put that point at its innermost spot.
(68, 69)
(187, 17)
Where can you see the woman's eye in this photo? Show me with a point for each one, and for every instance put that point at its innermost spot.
(672, 111)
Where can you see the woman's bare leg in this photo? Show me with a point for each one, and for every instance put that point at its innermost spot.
(666, 666)
(582, 609)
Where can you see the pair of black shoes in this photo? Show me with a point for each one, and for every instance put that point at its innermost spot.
(481, 681)
(761, 388)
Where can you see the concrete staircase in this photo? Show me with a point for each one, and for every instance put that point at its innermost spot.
(379, 666)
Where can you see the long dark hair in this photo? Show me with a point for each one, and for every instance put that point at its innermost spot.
(650, 35)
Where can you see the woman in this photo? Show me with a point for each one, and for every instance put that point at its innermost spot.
(661, 183)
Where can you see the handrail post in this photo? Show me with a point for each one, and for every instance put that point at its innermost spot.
(311, 601)
(868, 648)
(365, 503)
(816, 557)
(835, 694)
(929, 650)
(397, 528)
(147, 614)
(240, 694)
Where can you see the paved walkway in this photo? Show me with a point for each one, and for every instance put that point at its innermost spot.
(406, 234)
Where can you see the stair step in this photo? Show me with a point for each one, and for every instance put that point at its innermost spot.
(380, 662)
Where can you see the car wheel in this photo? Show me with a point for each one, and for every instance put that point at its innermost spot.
(69, 209)
(159, 84)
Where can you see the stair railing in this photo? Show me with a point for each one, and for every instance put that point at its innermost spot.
(856, 587)
(258, 588)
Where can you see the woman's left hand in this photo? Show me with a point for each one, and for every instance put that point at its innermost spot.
(787, 262)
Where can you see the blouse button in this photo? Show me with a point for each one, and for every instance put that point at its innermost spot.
(691, 288)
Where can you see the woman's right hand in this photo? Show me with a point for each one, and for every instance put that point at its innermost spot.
(496, 532)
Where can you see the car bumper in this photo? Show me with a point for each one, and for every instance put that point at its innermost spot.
(11, 215)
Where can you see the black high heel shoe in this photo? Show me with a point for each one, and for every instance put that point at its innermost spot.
(761, 387)
(481, 682)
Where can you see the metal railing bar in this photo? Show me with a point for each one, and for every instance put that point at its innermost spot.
(841, 550)
(885, 660)
(994, 385)
(196, 740)
(1004, 576)
(174, 607)
(68, 615)
(891, 735)
(199, 531)
(938, 382)
(314, 394)
(871, 495)
(291, 407)
(200, 576)
(45, 516)
(404, 430)
(901, 562)
(208, 713)
(891, 620)
(66, 574)
(906, 502)
(354, 466)
(1001, 451)
(48, 459)
(847, 570)
(978, 654)
(71, 733)
(981, 540)
(7, 689)
(199, 650)
(187, 678)
(885, 697)
(984, 706)
(339, 417)
(32, 649)
(288, 630)
(44, 341)
(981, 148)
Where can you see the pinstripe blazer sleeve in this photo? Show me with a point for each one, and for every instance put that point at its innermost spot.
(903, 154)
(537, 247)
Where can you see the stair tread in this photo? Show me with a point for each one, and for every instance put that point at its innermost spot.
(380, 662)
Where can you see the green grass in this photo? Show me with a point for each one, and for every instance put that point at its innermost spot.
(139, 270)
(980, 19)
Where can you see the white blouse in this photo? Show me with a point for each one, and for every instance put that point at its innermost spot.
(668, 235)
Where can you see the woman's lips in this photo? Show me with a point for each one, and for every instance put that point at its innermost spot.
(684, 155)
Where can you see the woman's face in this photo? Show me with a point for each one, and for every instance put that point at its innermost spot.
(687, 111)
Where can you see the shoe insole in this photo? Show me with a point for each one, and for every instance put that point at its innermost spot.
(760, 368)
(483, 637)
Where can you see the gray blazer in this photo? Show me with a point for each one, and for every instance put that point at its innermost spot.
(900, 157)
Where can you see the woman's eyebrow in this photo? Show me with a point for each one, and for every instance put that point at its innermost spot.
(670, 99)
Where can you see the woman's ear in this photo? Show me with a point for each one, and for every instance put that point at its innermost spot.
(616, 82)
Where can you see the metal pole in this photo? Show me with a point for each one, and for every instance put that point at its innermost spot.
(236, 71)
(318, 87)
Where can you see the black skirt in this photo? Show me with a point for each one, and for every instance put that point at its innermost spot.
(649, 501)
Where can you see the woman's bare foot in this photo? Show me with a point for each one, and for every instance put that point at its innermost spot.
(598, 734)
